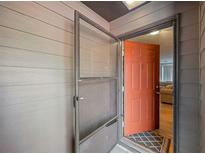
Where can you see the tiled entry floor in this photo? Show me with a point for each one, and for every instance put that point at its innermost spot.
(151, 140)
(120, 149)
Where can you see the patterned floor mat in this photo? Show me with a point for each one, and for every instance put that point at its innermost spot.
(151, 140)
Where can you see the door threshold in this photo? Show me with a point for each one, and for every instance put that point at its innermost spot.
(136, 146)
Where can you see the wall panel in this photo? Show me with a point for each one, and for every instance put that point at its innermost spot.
(36, 74)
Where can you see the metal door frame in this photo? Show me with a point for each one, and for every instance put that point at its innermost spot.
(76, 97)
(165, 23)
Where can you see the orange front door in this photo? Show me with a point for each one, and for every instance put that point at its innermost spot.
(141, 108)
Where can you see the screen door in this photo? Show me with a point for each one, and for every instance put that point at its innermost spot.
(96, 84)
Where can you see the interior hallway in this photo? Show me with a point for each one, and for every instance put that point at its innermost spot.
(166, 123)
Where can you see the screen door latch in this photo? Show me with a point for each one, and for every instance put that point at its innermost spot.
(76, 99)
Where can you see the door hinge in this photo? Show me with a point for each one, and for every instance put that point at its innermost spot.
(123, 52)
(123, 124)
(123, 89)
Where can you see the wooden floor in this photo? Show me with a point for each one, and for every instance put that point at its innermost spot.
(166, 122)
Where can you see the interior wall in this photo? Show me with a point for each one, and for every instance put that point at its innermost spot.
(164, 39)
(188, 57)
(36, 74)
(202, 72)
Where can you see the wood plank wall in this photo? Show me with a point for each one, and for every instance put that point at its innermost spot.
(36, 74)
(202, 72)
(189, 60)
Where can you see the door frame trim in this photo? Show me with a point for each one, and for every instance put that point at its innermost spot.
(172, 21)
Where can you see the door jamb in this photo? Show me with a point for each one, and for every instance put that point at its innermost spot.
(165, 23)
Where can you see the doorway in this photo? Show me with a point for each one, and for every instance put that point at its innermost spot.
(149, 90)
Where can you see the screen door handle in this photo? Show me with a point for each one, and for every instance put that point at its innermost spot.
(77, 99)
(80, 98)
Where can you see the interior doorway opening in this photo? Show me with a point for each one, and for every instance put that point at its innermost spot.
(149, 90)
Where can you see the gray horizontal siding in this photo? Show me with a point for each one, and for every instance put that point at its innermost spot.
(189, 60)
(36, 74)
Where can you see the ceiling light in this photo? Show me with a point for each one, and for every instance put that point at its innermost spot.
(130, 4)
(154, 33)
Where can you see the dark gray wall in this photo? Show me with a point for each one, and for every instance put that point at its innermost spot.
(189, 60)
